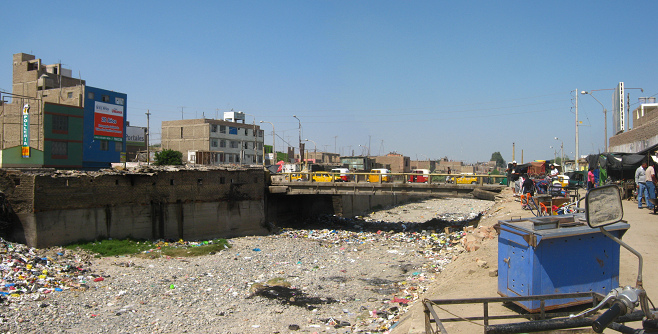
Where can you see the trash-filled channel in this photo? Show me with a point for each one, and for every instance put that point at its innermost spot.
(335, 276)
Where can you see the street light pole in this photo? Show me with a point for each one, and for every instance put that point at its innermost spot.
(273, 143)
(315, 149)
(301, 154)
(605, 111)
(605, 117)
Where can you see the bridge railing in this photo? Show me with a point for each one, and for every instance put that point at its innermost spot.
(367, 177)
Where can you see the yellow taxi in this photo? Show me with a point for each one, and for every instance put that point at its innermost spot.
(322, 177)
(466, 179)
(297, 177)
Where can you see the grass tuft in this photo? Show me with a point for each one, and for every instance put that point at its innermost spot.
(150, 249)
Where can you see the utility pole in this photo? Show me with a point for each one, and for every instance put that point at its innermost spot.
(148, 137)
(577, 154)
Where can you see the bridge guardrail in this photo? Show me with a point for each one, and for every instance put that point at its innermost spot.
(366, 177)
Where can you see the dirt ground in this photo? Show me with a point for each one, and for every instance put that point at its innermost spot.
(466, 278)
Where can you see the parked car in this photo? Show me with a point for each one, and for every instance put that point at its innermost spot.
(419, 175)
(466, 179)
(340, 174)
(379, 175)
(321, 177)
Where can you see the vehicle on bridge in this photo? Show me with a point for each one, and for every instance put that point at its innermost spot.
(467, 178)
(297, 177)
(322, 177)
(340, 174)
(379, 175)
(419, 175)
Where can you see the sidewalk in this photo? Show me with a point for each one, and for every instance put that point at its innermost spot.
(465, 279)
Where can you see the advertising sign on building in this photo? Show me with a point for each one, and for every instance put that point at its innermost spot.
(108, 121)
(135, 136)
(618, 107)
(25, 149)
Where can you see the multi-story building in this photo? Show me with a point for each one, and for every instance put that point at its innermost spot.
(55, 120)
(215, 142)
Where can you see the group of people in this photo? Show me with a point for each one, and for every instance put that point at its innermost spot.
(523, 184)
(645, 183)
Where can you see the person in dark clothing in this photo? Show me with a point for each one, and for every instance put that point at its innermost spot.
(528, 185)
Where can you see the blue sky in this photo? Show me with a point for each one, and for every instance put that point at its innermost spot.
(428, 79)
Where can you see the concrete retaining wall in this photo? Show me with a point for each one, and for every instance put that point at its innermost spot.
(188, 221)
(56, 209)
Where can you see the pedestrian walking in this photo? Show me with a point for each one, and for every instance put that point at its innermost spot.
(641, 184)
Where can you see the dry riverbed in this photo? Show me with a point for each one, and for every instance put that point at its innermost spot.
(345, 276)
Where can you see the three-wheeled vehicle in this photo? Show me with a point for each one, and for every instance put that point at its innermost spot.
(419, 175)
(379, 175)
(340, 174)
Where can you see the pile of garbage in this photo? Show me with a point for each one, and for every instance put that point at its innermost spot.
(29, 271)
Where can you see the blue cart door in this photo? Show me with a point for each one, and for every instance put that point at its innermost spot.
(519, 263)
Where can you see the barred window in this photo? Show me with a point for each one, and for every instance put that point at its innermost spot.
(60, 124)
(59, 149)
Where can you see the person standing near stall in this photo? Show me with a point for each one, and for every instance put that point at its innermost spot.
(650, 184)
(590, 178)
(641, 184)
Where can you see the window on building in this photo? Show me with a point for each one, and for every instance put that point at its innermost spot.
(213, 128)
(181, 132)
(105, 98)
(118, 146)
(69, 95)
(230, 157)
(222, 129)
(246, 132)
(59, 150)
(234, 144)
(119, 100)
(90, 95)
(105, 145)
(213, 143)
(222, 143)
(60, 124)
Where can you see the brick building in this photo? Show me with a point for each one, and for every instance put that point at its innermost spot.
(215, 142)
(397, 163)
(423, 164)
(56, 120)
(643, 137)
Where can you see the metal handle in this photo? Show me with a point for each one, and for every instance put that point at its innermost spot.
(507, 261)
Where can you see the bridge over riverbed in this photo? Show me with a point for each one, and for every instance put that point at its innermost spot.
(397, 184)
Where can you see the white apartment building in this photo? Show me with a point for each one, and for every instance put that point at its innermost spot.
(215, 142)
